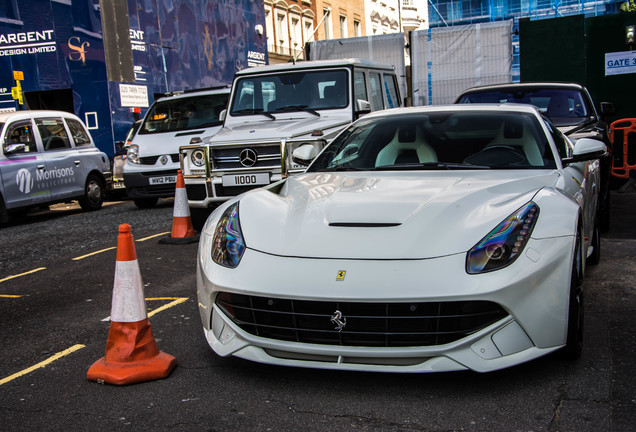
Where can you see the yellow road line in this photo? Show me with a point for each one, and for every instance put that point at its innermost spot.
(94, 253)
(153, 236)
(115, 247)
(42, 364)
(22, 274)
(9, 296)
(177, 300)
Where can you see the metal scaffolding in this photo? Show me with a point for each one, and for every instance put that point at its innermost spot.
(448, 13)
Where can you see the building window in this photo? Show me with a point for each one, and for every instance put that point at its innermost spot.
(281, 34)
(356, 28)
(343, 26)
(9, 9)
(327, 23)
(309, 30)
(269, 25)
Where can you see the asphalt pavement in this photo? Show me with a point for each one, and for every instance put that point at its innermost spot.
(58, 313)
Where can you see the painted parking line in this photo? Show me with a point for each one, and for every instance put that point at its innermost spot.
(153, 236)
(22, 274)
(115, 247)
(93, 253)
(43, 364)
(175, 301)
(9, 296)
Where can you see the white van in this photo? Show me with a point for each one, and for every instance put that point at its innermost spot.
(49, 157)
(152, 160)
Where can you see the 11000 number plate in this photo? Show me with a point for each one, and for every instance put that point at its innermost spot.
(246, 179)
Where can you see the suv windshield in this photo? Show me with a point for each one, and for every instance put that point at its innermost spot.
(297, 91)
(565, 107)
(178, 114)
(440, 141)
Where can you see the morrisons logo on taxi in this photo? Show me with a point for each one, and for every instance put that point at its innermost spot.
(53, 174)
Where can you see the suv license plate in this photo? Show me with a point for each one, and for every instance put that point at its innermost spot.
(163, 180)
(246, 179)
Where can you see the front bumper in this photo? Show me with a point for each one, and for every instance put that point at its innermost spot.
(533, 291)
(138, 184)
(206, 192)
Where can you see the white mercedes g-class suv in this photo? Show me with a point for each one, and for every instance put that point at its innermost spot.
(278, 111)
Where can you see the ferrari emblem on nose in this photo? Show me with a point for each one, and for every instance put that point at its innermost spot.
(339, 320)
(341, 275)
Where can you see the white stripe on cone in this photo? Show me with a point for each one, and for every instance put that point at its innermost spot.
(128, 304)
(181, 208)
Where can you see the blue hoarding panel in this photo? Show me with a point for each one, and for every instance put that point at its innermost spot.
(176, 45)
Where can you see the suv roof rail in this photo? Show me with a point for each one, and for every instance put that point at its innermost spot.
(180, 92)
(206, 88)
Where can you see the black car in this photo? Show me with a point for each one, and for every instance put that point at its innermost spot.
(569, 106)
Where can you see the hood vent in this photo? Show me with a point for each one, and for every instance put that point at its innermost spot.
(364, 224)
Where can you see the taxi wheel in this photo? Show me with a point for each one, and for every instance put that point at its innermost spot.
(4, 214)
(93, 194)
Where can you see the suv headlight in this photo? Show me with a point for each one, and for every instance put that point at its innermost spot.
(227, 243)
(133, 153)
(503, 245)
(197, 157)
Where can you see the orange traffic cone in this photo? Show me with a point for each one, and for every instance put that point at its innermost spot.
(132, 354)
(182, 228)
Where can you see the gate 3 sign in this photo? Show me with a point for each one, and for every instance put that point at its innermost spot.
(618, 63)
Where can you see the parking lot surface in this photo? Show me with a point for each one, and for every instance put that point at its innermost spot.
(56, 281)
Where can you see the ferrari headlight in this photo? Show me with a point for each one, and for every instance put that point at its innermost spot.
(228, 244)
(502, 246)
(133, 153)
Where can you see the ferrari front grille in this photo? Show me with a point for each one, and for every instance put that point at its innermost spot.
(359, 323)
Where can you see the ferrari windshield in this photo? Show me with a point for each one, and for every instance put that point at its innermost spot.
(298, 91)
(440, 140)
(563, 106)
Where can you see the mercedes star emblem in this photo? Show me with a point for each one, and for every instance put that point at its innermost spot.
(248, 157)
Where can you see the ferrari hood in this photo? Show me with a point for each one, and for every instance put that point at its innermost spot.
(402, 215)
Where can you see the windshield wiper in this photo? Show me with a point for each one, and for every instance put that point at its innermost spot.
(430, 165)
(255, 111)
(304, 108)
(580, 127)
(340, 168)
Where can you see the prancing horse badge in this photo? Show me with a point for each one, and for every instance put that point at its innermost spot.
(341, 275)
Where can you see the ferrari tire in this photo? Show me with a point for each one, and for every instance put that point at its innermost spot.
(595, 258)
(574, 343)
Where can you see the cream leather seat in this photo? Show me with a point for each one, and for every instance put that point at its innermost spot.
(516, 134)
(407, 146)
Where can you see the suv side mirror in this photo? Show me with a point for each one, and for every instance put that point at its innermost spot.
(607, 108)
(222, 115)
